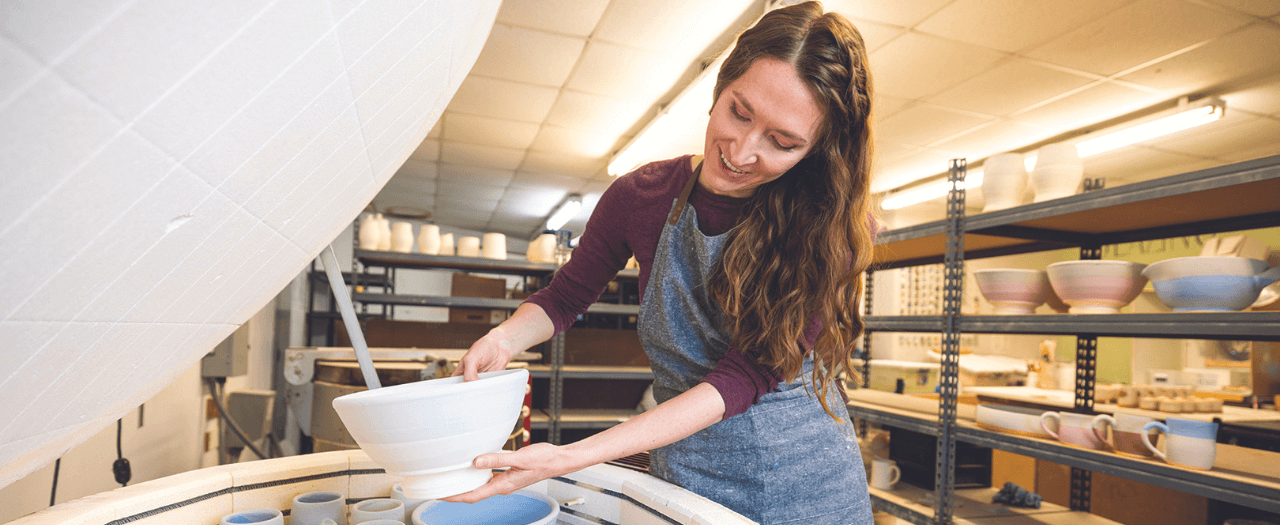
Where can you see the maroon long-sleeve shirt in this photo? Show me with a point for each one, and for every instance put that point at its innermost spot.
(628, 221)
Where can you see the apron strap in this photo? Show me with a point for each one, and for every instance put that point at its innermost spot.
(678, 208)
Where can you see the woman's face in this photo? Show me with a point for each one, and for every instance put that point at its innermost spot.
(763, 124)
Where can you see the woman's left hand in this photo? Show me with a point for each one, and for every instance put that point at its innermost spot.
(527, 466)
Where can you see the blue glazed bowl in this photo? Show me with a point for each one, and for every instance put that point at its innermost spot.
(1211, 284)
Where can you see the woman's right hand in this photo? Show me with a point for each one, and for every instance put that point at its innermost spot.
(486, 355)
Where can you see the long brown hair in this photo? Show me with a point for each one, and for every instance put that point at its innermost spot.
(804, 239)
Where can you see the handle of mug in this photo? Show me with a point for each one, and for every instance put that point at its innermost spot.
(1044, 423)
(896, 474)
(1102, 434)
(1146, 436)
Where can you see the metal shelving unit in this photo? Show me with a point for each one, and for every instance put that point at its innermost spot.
(556, 416)
(1226, 198)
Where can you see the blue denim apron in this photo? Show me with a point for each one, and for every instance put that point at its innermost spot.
(784, 460)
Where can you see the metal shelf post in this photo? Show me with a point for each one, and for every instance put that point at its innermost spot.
(949, 378)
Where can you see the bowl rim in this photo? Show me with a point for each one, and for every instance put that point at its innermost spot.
(1097, 262)
(407, 391)
(1013, 270)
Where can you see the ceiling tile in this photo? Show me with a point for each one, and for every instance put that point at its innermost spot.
(1140, 164)
(922, 125)
(916, 65)
(882, 106)
(418, 169)
(471, 215)
(1251, 53)
(429, 150)
(1012, 25)
(477, 155)
(998, 137)
(468, 192)
(874, 35)
(1258, 8)
(1098, 103)
(435, 129)
(683, 27)
(532, 201)
(554, 139)
(606, 115)
(1250, 154)
(1135, 34)
(647, 75)
(564, 164)
(529, 56)
(497, 98)
(487, 176)
(1009, 87)
(416, 186)
(893, 12)
(1251, 133)
(529, 179)
(920, 164)
(490, 131)
(567, 17)
(1262, 97)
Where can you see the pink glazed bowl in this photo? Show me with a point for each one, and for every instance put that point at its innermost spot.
(1097, 287)
(1013, 291)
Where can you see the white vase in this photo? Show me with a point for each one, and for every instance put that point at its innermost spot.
(1057, 173)
(494, 246)
(370, 232)
(446, 244)
(402, 237)
(468, 246)
(429, 239)
(1004, 181)
(543, 248)
(384, 233)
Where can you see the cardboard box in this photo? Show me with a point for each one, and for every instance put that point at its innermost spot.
(467, 285)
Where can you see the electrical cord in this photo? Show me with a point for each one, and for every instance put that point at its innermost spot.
(53, 493)
(121, 467)
(235, 428)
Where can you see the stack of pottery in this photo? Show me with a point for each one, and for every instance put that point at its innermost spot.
(375, 233)
(1058, 172)
(1004, 181)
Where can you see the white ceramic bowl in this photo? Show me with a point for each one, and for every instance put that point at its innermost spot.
(1097, 287)
(1012, 420)
(1218, 284)
(1013, 290)
(523, 507)
(429, 432)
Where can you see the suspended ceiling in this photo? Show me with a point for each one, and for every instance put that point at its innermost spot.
(562, 85)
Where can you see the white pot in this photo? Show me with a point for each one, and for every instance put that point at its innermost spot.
(384, 234)
(1004, 181)
(402, 237)
(1056, 181)
(543, 249)
(494, 246)
(468, 246)
(429, 239)
(370, 232)
(446, 244)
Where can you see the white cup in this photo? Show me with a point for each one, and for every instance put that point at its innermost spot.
(254, 517)
(410, 504)
(313, 508)
(1187, 442)
(494, 246)
(468, 246)
(884, 473)
(446, 244)
(377, 509)
(402, 237)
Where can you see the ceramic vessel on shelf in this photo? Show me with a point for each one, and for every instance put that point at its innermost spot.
(370, 232)
(1097, 287)
(428, 433)
(446, 244)
(1004, 181)
(543, 249)
(494, 246)
(468, 246)
(429, 239)
(402, 237)
(1057, 173)
(1211, 284)
(1011, 420)
(521, 507)
(384, 233)
(1013, 291)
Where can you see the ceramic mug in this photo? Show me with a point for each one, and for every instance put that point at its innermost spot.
(1126, 433)
(1187, 442)
(1074, 429)
(256, 517)
(377, 509)
(884, 473)
(313, 508)
(410, 504)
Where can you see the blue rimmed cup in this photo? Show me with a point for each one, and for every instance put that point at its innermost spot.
(1187, 442)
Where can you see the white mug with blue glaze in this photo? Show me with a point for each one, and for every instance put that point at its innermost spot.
(1187, 442)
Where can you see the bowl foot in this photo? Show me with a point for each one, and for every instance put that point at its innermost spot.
(444, 484)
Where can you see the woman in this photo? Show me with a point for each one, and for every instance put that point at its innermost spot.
(750, 257)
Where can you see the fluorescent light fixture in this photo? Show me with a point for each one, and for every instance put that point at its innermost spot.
(1183, 117)
(678, 124)
(567, 210)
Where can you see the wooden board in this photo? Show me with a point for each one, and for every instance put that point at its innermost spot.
(1063, 399)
